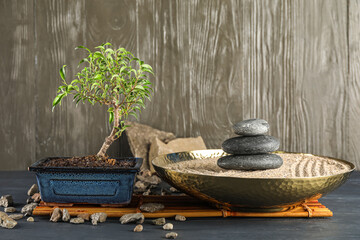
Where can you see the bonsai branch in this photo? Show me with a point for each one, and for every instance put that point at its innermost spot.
(112, 137)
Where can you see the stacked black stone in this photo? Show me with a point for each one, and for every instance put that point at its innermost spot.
(250, 151)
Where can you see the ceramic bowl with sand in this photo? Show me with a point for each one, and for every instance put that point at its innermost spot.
(302, 178)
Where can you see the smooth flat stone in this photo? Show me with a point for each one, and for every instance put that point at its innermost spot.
(250, 162)
(251, 127)
(251, 145)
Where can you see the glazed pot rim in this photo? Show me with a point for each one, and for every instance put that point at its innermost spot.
(159, 165)
(36, 168)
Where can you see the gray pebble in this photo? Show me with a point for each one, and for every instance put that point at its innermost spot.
(6, 201)
(33, 189)
(250, 162)
(131, 218)
(30, 219)
(251, 145)
(65, 215)
(9, 209)
(180, 218)
(159, 221)
(56, 215)
(151, 207)
(16, 216)
(138, 228)
(251, 127)
(171, 235)
(168, 226)
(98, 217)
(77, 220)
(28, 208)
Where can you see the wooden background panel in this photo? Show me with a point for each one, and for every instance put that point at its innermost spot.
(59, 28)
(318, 84)
(17, 88)
(294, 63)
(354, 82)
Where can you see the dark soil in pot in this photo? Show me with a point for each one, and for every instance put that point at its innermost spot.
(91, 161)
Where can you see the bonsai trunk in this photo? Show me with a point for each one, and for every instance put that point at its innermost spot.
(112, 137)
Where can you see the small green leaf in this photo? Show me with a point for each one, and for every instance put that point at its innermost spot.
(140, 87)
(111, 117)
(62, 72)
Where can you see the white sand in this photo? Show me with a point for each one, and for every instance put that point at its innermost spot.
(295, 165)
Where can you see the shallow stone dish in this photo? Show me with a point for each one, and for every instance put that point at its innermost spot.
(246, 194)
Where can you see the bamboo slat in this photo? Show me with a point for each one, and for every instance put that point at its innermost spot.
(182, 205)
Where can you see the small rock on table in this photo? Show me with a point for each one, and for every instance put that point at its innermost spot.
(84, 216)
(171, 235)
(56, 215)
(151, 207)
(159, 221)
(6, 221)
(33, 189)
(168, 226)
(16, 216)
(77, 220)
(250, 162)
(30, 219)
(6, 201)
(131, 218)
(251, 127)
(251, 145)
(138, 228)
(36, 197)
(9, 209)
(28, 208)
(98, 217)
(180, 218)
(65, 215)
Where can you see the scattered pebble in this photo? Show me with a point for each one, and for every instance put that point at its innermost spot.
(56, 215)
(28, 208)
(65, 215)
(30, 219)
(36, 197)
(16, 216)
(138, 228)
(172, 189)
(159, 221)
(147, 192)
(33, 189)
(84, 216)
(151, 207)
(9, 209)
(180, 218)
(131, 217)
(6, 201)
(98, 217)
(140, 185)
(171, 235)
(154, 180)
(168, 226)
(77, 220)
(6, 221)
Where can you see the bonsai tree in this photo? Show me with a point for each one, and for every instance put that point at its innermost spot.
(111, 77)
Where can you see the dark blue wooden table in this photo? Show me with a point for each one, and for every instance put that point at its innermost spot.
(345, 224)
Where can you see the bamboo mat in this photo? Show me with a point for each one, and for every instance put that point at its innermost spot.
(182, 205)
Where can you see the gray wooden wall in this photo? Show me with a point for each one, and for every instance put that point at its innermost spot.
(294, 63)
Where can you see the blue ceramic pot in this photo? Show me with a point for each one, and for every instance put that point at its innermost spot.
(86, 185)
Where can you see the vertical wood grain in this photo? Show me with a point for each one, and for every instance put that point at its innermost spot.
(17, 88)
(59, 28)
(319, 81)
(354, 82)
(294, 63)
